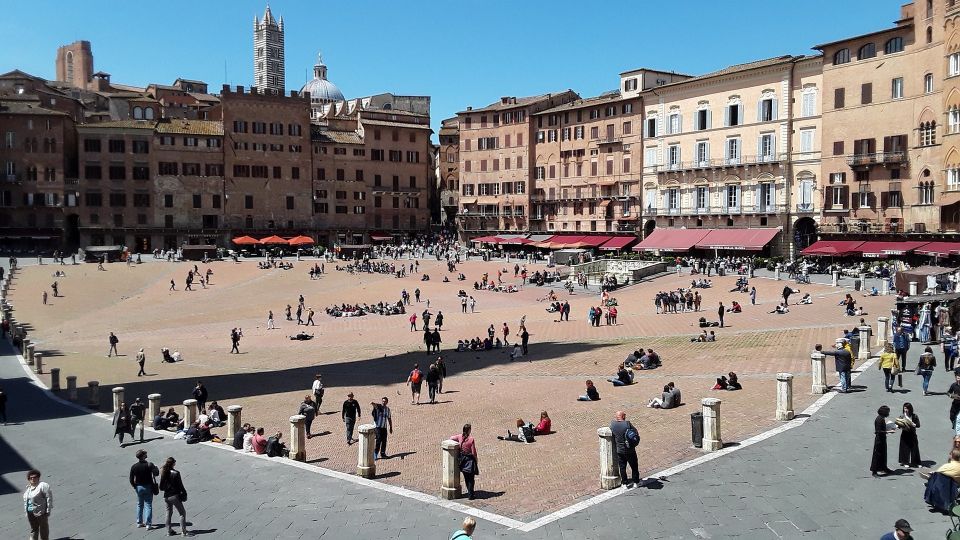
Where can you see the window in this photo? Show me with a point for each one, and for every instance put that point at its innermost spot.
(673, 156)
(141, 200)
(673, 123)
(248, 201)
(701, 120)
(808, 102)
(702, 153)
(358, 209)
(896, 88)
(867, 51)
(805, 193)
(170, 169)
(118, 172)
(866, 93)
(893, 45)
(141, 172)
(732, 151)
(929, 34)
(650, 157)
(290, 202)
(141, 147)
(838, 148)
(91, 172)
(118, 200)
(807, 137)
(168, 201)
(673, 199)
(651, 127)
(928, 83)
(767, 110)
(841, 57)
(733, 197)
(93, 145)
(703, 198)
(215, 202)
(839, 97)
(116, 146)
(953, 179)
(629, 85)
(954, 64)
(93, 199)
(953, 119)
(197, 200)
(190, 141)
(925, 195)
(928, 133)
(765, 151)
(733, 114)
(627, 128)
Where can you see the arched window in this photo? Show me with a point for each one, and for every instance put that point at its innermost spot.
(894, 45)
(148, 113)
(928, 133)
(929, 34)
(953, 119)
(867, 51)
(137, 113)
(841, 57)
(925, 193)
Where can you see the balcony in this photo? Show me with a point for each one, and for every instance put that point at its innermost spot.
(805, 208)
(718, 163)
(862, 227)
(609, 140)
(649, 211)
(879, 158)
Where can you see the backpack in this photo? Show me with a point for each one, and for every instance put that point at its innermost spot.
(416, 376)
(631, 437)
(528, 433)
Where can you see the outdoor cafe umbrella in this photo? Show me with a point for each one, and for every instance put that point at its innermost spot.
(273, 240)
(301, 241)
(245, 241)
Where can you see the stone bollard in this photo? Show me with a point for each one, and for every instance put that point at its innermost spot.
(776, 274)
(609, 474)
(234, 421)
(836, 279)
(751, 271)
(37, 362)
(117, 397)
(26, 351)
(449, 470)
(884, 286)
(72, 387)
(882, 329)
(55, 379)
(153, 408)
(863, 283)
(913, 288)
(298, 438)
(94, 388)
(784, 396)
(711, 424)
(189, 412)
(819, 371)
(864, 352)
(366, 466)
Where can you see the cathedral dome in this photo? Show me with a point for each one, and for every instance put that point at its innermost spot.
(322, 90)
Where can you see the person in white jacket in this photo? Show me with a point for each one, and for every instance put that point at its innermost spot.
(38, 503)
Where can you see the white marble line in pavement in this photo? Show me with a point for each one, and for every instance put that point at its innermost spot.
(469, 510)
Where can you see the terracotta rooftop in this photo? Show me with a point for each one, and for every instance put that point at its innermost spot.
(514, 102)
(190, 127)
(606, 97)
(736, 68)
(394, 124)
(125, 124)
(26, 107)
(337, 137)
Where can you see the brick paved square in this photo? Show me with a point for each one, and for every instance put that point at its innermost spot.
(371, 356)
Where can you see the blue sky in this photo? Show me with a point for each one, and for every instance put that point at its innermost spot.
(460, 52)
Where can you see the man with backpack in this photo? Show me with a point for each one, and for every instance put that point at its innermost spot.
(415, 380)
(626, 438)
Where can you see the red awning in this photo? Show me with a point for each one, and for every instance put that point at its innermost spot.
(591, 241)
(516, 241)
(245, 241)
(273, 240)
(939, 249)
(832, 247)
(671, 240)
(301, 241)
(738, 239)
(487, 239)
(885, 249)
(380, 237)
(618, 242)
(563, 241)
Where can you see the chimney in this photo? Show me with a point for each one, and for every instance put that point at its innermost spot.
(504, 100)
(239, 89)
(469, 108)
(225, 89)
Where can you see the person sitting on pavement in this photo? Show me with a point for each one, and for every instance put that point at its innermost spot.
(592, 393)
(259, 442)
(712, 336)
(623, 378)
(721, 383)
(781, 309)
(735, 307)
(239, 436)
(543, 428)
(732, 383)
(650, 360)
(700, 338)
(807, 299)
(632, 359)
(524, 434)
(951, 468)
(662, 401)
(249, 434)
(275, 447)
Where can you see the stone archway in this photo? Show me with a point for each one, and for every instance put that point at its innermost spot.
(804, 233)
(648, 227)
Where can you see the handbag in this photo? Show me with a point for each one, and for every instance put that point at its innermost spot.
(154, 487)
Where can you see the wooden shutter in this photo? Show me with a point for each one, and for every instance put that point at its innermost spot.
(838, 98)
(866, 93)
(871, 146)
(884, 200)
(855, 203)
(838, 148)
(888, 144)
(828, 197)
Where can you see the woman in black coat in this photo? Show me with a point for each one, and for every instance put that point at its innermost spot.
(909, 445)
(121, 419)
(878, 463)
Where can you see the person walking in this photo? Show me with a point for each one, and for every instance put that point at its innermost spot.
(289, 316)
(141, 360)
(753, 295)
(270, 324)
(299, 314)
(142, 479)
(384, 422)
(469, 465)
(901, 531)
(889, 365)
(138, 410)
(925, 368)
(174, 495)
(317, 389)
(473, 305)
(439, 322)
(121, 422)
(441, 368)
(433, 380)
(843, 361)
(38, 504)
(113, 345)
(466, 530)
(506, 334)
(413, 322)
(44, 297)
(200, 394)
(309, 411)
(720, 311)
(901, 344)
(349, 413)
(878, 461)
(415, 380)
(909, 422)
(235, 340)
(173, 285)
(310, 318)
(626, 438)
(524, 339)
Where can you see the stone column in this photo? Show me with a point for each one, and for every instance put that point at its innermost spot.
(117, 397)
(836, 279)
(776, 274)
(366, 466)
(864, 352)
(784, 396)
(884, 286)
(449, 470)
(25, 351)
(609, 474)
(55, 379)
(72, 387)
(819, 371)
(153, 408)
(882, 330)
(234, 421)
(298, 438)
(189, 412)
(711, 424)
(863, 282)
(94, 388)
(913, 288)
(37, 362)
